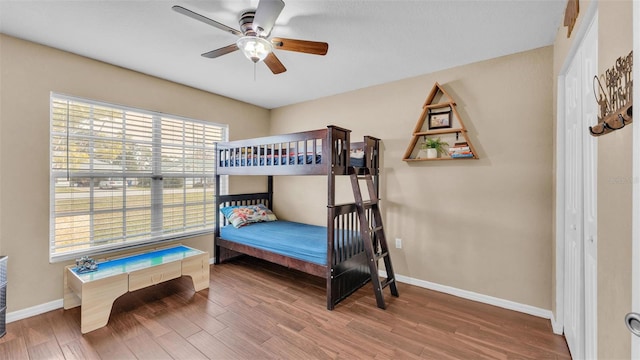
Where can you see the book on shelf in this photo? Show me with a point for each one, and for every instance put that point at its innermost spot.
(460, 156)
(460, 150)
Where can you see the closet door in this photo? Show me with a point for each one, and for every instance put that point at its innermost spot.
(573, 264)
(580, 233)
(590, 192)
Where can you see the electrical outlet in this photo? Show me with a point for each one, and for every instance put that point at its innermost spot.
(398, 243)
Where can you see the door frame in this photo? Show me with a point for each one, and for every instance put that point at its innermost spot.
(635, 197)
(557, 321)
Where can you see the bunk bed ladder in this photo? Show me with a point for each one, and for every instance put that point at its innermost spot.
(375, 241)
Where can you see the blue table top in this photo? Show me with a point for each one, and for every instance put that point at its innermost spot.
(128, 264)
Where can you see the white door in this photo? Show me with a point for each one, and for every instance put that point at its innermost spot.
(590, 192)
(580, 233)
(573, 265)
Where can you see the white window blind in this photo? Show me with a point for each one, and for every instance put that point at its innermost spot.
(123, 177)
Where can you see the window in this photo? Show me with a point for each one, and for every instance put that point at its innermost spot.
(123, 177)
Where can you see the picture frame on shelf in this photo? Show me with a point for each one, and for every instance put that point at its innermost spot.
(439, 120)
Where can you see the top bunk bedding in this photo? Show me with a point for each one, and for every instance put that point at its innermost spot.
(315, 152)
(356, 159)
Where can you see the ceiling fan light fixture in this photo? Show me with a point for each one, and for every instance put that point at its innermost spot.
(254, 48)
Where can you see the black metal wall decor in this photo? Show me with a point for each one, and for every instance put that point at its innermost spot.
(616, 102)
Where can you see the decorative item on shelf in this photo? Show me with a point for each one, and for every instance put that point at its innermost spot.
(616, 104)
(432, 147)
(86, 264)
(440, 120)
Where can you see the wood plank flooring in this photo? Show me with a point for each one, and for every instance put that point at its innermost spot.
(257, 310)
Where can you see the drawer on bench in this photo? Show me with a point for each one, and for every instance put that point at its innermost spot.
(154, 275)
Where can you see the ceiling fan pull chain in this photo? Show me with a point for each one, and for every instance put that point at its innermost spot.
(254, 72)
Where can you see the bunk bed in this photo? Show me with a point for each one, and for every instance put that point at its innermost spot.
(335, 252)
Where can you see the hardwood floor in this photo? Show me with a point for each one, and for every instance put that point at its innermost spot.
(257, 310)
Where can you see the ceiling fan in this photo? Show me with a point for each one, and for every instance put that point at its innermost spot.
(254, 42)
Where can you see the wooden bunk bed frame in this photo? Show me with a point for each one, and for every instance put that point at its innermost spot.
(347, 266)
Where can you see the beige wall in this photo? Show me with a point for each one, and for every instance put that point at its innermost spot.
(614, 196)
(478, 225)
(614, 184)
(27, 75)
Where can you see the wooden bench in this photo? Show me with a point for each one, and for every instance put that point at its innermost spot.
(96, 291)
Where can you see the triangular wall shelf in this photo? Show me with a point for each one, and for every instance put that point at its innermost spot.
(440, 119)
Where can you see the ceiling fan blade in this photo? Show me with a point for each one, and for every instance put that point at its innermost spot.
(274, 64)
(266, 15)
(205, 20)
(303, 46)
(222, 51)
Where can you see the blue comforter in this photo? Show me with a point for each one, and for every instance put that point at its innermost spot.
(299, 241)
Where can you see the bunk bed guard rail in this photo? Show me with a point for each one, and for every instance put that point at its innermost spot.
(315, 152)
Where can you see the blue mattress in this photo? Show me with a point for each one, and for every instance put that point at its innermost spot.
(299, 241)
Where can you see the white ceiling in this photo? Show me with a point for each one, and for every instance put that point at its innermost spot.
(370, 41)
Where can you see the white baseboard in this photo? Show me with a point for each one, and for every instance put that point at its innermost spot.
(470, 295)
(33, 311)
(556, 325)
